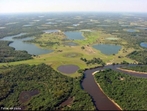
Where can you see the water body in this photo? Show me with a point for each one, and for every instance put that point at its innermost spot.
(27, 25)
(18, 44)
(131, 30)
(50, 31)
(143, 44)
(74, 35)
(90, 86)
(76, 25)
(68, 69)
(107, 49)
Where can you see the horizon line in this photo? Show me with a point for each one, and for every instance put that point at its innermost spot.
(71, 12)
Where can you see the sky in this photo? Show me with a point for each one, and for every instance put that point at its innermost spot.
(18, 6)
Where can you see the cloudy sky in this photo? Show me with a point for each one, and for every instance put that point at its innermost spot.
(15, 6)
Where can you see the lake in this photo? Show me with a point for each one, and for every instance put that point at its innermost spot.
(18, 44)
(107, 49)
(74, 35)
(143, 44)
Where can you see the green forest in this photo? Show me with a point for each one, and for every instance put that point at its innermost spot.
(137, 68)
(128, 91)
(9, 54)
(39, 87)
(140, 56)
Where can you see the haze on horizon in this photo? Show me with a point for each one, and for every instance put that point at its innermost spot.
(18, 6)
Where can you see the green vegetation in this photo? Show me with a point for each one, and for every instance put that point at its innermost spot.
(49, 40)
(72, 54)
(90, 38)
(137, 68)
(128, 91)
(39, 87)
(29, 35)
(93, 61)
(9, 54)
(140, 56)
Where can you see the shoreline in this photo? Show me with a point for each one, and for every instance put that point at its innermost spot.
(104, 92)
(132, 71)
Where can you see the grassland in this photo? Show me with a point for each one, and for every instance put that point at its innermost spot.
(61, 53)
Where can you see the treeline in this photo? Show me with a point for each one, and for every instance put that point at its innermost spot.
(137, 68)
(93, 61)
(9, 54)
(140, 56)
(43, 44)
(29, 35)
(53, 87)
(128, 91)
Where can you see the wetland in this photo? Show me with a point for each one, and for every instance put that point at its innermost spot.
(48, 61)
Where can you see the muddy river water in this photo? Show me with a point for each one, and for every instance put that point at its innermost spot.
(100, 100)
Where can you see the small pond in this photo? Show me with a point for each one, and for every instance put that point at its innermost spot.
(74, 35)
(68, 69)
(26, 95)
(143, 44)
(18, 44)
(76, 25)
(107, 49)
(27, 25)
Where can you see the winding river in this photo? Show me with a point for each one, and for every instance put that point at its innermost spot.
(100, 100)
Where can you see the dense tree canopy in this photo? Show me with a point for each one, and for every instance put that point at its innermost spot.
(128, 91)
(140, 56)
(39, 87)
(137, 68)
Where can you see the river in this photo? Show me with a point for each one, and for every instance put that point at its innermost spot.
(100, 100)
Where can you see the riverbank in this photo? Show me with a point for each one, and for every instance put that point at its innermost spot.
(132, 71)
(104, 92)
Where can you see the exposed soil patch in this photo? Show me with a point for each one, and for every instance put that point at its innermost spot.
(67, 102)
(89, 49)
(72, 54)
(26, 95)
